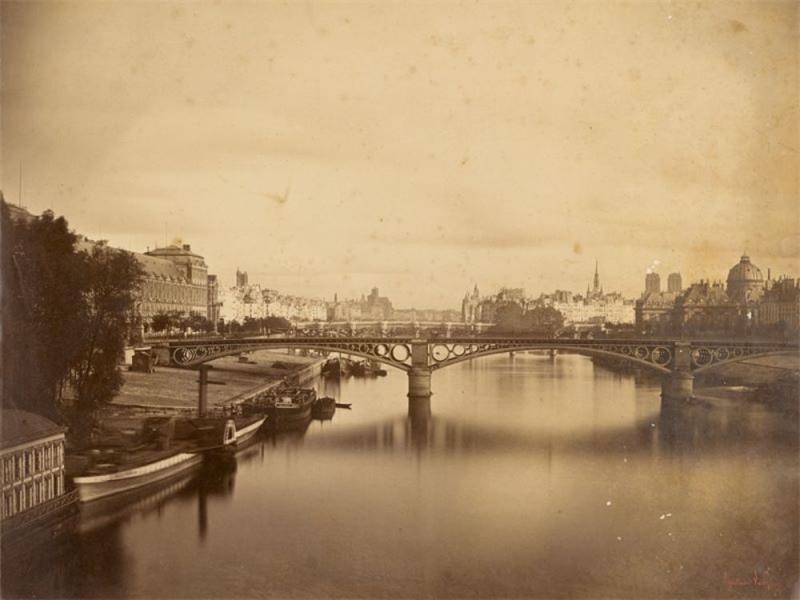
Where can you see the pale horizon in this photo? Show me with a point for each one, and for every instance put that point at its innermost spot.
(330, 148)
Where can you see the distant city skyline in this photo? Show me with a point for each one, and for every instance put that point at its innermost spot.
(327, 149)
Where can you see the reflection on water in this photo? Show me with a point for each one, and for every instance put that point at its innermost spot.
(533, 478)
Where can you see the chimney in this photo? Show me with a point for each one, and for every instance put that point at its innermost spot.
(187, 247)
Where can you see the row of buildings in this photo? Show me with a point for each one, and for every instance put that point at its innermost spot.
(246, 300)
(746, 302)
(596, 306)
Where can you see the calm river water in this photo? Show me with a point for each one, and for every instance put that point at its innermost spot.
(533, 478)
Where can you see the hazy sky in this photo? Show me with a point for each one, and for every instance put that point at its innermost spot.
(424, 147)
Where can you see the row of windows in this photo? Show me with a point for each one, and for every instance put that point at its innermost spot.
(31, 494)
(164, 291)
(25, 463)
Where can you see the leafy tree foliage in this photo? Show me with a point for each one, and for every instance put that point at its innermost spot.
(257, 325)
(112, 279)
(541, 320)
(66, 314)
(178, 320)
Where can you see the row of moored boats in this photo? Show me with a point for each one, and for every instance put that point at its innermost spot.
(167, 446)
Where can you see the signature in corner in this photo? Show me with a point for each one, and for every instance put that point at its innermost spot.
(757, 579)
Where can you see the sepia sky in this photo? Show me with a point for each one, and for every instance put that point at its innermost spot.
(329, 147)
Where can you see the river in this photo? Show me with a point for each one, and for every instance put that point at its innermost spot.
(533, 477)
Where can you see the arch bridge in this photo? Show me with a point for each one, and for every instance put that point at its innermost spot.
(677, 361)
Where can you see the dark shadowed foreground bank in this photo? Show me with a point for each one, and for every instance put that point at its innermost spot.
(534, 478)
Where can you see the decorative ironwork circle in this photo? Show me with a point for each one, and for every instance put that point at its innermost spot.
(400, 353)
(183, 355)
(723, 353)
(459, 350)
(661, 355)
(702, 357)
(641, 352)
(440, 352)
(382, 350)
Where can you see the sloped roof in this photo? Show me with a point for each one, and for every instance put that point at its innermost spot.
(160, 267)
(659, 299)
(21, 426)
(708, 294)
(173, 250)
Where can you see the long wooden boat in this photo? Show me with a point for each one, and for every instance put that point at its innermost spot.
(149, 467)
(247, 427)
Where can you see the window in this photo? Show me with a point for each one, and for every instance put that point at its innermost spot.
(20, 471)
(37, 464)
(19, 499)
(8, 504)
(28, 463)
(29, 495)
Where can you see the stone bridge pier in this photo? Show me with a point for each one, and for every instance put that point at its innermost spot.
(419, 382)
(678, 385)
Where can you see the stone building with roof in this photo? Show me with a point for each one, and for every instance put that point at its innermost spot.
(708, 308)
(780, 306)
(653, 312)
(745, 284)
(175, 279)
(32, 465)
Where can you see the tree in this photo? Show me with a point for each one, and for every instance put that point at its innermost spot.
(43, 281)
(112, 278)
(161, 322)
(66, 315)
(508, 317)
(543, 319)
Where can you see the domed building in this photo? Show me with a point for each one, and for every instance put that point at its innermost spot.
(745, 282)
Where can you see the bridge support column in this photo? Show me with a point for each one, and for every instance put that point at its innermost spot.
(419, 381)
(202, 391)
(679, 384)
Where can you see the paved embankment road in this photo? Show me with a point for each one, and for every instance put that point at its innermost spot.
(170, 389)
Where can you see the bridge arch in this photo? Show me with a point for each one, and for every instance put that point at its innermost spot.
(573, 349)
(203, 354)
(700, 366)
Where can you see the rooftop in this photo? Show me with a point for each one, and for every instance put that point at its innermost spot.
(20, 426)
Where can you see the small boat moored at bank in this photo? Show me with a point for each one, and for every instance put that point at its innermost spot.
(323, 408)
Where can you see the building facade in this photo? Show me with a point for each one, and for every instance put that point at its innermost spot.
(780, 306)
(32, 459)
(175, 279)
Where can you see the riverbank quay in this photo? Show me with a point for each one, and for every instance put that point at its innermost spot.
(230, 382)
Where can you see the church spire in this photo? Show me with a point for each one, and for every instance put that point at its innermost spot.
(596, 282)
